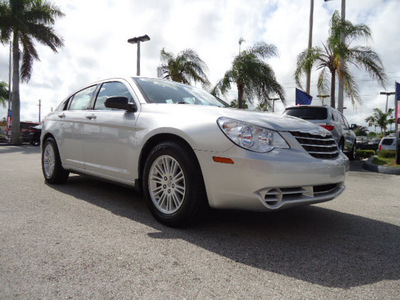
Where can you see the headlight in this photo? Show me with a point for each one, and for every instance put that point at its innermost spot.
(251, 137)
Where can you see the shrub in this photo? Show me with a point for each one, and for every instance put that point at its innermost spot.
(387, 154)
(365, 153)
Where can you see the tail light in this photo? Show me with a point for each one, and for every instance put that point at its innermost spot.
(380, 147)
(328, 127)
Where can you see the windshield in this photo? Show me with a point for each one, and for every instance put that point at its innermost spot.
(170, 92)
(307, 112)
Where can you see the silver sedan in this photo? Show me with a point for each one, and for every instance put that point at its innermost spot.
(186, 151)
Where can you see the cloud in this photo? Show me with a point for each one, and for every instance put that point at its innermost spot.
(96, 33)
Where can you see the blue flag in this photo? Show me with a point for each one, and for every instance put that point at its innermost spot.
(396, 108)
(302, 98)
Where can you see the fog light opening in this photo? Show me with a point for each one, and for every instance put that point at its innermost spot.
(273, 197)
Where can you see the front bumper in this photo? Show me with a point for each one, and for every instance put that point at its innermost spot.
(270, 181)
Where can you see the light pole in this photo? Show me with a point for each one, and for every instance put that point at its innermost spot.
(322, 97)
(387, 98)
(273, 103)
(137, 40)
(308, 83)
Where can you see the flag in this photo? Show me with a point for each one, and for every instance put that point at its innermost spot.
(396, 108)
(302, 98)
(9, 121)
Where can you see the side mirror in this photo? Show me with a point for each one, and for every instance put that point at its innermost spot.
(120, 102)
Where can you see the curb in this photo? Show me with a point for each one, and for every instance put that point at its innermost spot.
(368, 165)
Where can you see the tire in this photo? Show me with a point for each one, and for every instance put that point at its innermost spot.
(173, 185)
(352, 154)
(52, 169)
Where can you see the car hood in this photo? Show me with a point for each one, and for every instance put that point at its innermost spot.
(264, 119)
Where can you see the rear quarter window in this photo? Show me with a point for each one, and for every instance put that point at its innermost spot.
(387, 141)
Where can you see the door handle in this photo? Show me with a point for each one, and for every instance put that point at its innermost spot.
(91, 117)
(62, 115)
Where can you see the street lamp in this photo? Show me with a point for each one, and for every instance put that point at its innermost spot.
(308, 83)
(323, 97)
(273, 103)
(387, 98)
(137, 40)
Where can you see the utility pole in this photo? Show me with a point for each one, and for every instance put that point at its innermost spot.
(40, 110)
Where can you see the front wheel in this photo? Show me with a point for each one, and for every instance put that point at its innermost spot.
(51, 163)
(173, 185)
(352, 154)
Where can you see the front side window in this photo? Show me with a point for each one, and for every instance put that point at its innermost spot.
(111, 89)
(81, 100)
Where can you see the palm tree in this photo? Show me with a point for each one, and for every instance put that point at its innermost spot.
(185, 67)
(235, 104)
(328, 59)
(380, 119)
(4, 93)
(253, 77)
(22, 22)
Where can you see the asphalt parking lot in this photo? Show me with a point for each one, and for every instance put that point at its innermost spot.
(93, 240)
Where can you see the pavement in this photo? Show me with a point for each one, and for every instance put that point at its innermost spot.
(88, 239)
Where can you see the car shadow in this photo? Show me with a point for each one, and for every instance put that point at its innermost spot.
(311, 243)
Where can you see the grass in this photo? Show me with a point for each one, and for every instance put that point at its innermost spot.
(387, 162)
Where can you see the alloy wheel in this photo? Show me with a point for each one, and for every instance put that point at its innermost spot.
(49, 160)
(167, 185)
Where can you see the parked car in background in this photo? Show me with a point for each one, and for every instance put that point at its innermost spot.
(35, 135)
(186, 151)
(332, 120)
(27, 130)
(387, 143)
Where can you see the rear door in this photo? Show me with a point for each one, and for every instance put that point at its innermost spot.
(72, 122)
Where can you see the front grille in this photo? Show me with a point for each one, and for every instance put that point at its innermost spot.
(316, 145)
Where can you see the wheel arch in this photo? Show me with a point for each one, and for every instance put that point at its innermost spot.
(45, 137)
(157, 139)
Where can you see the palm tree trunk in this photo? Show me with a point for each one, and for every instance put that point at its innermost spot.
(333, 86)
(15, 125)
(240, 88)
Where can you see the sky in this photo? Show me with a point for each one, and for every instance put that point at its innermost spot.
(95, 34)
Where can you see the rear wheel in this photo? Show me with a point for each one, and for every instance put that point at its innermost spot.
(173, 185)
(51, 163)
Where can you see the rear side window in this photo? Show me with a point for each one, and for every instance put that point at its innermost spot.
(81, 99)
(308, 113)
(387, 141)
